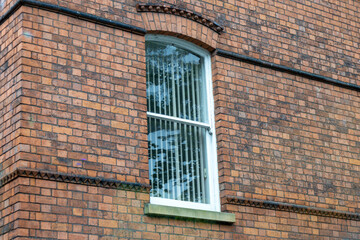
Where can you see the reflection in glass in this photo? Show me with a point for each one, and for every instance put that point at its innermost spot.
(176, 150)
(174, 82)
(176, 160)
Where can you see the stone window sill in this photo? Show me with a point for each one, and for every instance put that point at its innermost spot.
(186, 213)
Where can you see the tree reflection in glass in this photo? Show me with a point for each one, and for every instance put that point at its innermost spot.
(176, 150)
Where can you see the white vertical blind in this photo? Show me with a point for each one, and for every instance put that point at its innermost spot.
(176, 119)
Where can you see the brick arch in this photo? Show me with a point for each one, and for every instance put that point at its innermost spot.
(182, 24)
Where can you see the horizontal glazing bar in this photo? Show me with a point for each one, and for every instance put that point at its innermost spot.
(179, 120)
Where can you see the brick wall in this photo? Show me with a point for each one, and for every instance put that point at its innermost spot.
(52, 210)
(43, 209)
(10, 90)
(286, 138)
(319, 37)
(83, 98)
(270, 224)
(73, 102)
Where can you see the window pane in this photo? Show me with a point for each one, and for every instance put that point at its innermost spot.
(175, 88)
(176, 159)
(175, 85)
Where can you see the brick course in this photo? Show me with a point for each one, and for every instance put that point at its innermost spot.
(317, 37)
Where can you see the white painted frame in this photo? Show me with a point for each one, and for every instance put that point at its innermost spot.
(212, 180)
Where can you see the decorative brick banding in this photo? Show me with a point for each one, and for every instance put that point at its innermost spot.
(279, 206)
(181, 12)
(72, 178)
(169, 20)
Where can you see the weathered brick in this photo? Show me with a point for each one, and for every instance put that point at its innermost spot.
(73, 100)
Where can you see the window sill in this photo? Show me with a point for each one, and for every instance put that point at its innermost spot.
(186, 213)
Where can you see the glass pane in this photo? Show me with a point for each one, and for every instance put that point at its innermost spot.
(176, 155)
(175, 82)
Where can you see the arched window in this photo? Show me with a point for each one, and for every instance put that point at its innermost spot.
(181, 133)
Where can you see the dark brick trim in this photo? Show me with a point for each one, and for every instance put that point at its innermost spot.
(7, 228)
(180, 12)
(277, 67)
(72, 13)
(76, 179)
(279, 206)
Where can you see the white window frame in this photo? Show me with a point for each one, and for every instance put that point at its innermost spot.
(211, 151)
